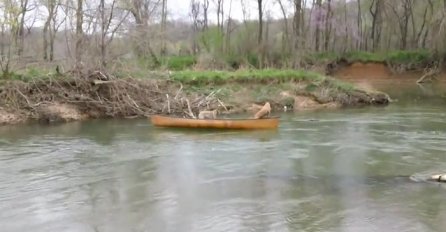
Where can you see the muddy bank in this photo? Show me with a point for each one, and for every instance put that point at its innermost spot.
(363, 70)
(72, 99)
(372, 70)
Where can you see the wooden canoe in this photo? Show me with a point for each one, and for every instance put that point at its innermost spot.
(165, 121)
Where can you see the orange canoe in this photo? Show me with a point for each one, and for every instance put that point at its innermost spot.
(165, 121)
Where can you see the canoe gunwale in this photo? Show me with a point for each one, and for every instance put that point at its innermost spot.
(233, 123)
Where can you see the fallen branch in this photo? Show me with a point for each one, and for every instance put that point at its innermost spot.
(23, 95)
(178, 92)
(100, 82)
(191, 114)
(221, 103)
(431, 75)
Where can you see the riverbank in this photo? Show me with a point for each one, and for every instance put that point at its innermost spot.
(66, 98)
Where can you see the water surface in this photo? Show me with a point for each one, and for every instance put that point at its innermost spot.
(345, 170)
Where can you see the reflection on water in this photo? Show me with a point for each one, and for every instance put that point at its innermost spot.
(320, 171)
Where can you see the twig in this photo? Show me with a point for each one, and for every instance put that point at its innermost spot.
(23, 95)
(178, 92)
(168, 103)
(190, 110)
(133, 101)
(221, 103)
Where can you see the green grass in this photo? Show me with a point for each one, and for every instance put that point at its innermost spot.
(29, 74)
(276, 76)
(204, 77)
(178, 62)
(409, 57)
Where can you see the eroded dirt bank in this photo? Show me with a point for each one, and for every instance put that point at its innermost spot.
(379, 70)
(70, 99)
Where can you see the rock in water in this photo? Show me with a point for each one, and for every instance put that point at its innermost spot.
(439, 177)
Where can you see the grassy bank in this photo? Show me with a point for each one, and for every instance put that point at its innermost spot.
(64, 98)
(419, 58)
(396, 61)
(394, 57)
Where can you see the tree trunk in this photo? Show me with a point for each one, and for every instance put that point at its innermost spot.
(260, 35)
(47, 31)
(195, 13)
(423, 24)
(52, 36)
(21, 30)
(228, 29)
(375, 11)
(405, 23)
(318, 29)
(286, 36)
(79, 34)
(327, 25)
(163, 27)
(205, 14)
(45, 39)
(103, 33)
(297, 23)
(359, 20)
(220, 15)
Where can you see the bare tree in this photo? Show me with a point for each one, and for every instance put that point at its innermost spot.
(297, 22)
(195, 15)
(205, 6)
(110, 24)
(21, 30)
(286, 35)
(220, 14)
(142, 10)
(403, 20)
(50, 28)
(376, 12)
(228, 28)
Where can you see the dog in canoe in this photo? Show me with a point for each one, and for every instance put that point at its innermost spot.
(264, 112)
(208, 114)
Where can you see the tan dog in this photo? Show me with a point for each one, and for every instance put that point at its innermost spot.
(207, 114)
(265, 111)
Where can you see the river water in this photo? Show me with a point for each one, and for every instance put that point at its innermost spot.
(347, 170)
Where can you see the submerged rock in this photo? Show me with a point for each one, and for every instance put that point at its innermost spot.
(439, 177)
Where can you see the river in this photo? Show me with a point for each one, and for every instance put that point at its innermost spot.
(347, 170)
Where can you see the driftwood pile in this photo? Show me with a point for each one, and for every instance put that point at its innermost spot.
(99, 95)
